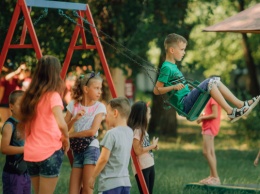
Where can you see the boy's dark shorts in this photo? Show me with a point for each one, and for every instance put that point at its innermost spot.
(15, 183)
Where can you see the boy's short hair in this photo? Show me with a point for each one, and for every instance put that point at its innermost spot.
(14, 95)
(172, 39)
(121, 104)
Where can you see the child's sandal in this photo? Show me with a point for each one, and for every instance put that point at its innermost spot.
(248, 108)
(236, 114)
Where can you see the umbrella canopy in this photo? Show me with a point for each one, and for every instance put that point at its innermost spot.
(247, 21)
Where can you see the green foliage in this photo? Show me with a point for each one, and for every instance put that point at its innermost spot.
(248, 129)
(211, 53)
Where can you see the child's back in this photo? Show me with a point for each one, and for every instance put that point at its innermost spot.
(119, 141)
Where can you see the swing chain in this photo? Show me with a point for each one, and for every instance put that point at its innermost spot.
(45, 13)
(165, 101)
(69, 18)
(121, 45)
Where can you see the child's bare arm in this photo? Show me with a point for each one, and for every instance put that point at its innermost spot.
(213, 115)
(57, 112)
(92, 131)
(257, 159)
(6, 148)
(70, 120)
(160, 89)
(139, 149)
(101, 163)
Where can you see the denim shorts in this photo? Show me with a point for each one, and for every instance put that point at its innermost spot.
(118, 190)
(49, 167)
(89, 156)
(191, 98)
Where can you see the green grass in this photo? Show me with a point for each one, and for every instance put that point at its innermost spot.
(175, 168)
(180, 161)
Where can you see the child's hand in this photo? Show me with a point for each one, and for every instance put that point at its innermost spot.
(256, 161)
(178, 86)
(199, 120)
(80, 114)
(155, 142)
(65, 144)
(91, 182)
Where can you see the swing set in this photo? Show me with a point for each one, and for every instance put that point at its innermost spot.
(83, 10)
(197, 107)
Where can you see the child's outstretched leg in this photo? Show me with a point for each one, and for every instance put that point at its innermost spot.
(221, 93)
(209, 153)
(247, 105)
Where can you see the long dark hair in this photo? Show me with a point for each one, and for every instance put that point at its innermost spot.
(138, 118)
(46, 78)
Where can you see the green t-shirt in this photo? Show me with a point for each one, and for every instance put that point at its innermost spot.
(171, 75)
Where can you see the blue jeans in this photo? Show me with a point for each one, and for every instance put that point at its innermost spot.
(47, 168)
(191, 98)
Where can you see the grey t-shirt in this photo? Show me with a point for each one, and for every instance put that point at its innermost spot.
(119, 141)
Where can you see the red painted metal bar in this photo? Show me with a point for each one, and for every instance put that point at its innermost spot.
(101, 53)
(73, 46)
(82, 31)
(18, 46)
(9, 35)
(139, 172)
(24, 30)
(31, 30)
(20, 6)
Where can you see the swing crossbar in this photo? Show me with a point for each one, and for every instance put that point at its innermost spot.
(56, 5)
(198, 106)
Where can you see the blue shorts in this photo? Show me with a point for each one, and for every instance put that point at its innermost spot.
(118, 190)
(89, 156)
(47, 168)
(16, 184)
(191, 98)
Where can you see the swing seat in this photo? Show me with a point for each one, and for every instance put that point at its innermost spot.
(198, 106)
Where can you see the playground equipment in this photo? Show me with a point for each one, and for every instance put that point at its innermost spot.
(83, 10)
(198, 106)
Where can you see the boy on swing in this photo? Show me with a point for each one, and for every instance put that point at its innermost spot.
(170, 82)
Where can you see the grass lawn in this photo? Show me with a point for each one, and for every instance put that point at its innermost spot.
(180, 161)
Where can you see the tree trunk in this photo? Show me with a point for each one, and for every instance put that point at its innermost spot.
(162, 121)
(253, 84)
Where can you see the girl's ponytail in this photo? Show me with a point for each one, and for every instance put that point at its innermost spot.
(77, 90)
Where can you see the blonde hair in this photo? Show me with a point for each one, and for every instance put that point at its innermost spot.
(172, 39)
(83, 80)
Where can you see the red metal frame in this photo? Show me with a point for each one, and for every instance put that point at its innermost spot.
(21, 6)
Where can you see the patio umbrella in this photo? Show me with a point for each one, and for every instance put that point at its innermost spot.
(246, 21)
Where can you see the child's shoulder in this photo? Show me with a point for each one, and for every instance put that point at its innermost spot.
(119, 129)
(168, 65)
(11, 120)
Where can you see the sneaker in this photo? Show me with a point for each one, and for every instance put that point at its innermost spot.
(212, 181)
